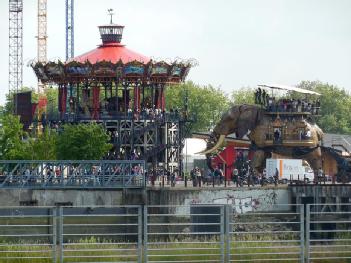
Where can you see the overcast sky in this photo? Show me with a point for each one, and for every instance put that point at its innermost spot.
(237, 43)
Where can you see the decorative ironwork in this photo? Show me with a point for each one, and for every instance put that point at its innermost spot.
(73, 71)
(72, 174)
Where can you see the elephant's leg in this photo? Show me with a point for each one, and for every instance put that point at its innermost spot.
(314, 159)
(258, 160)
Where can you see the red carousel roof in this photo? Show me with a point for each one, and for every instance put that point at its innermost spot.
(111, 49)
(111, 52)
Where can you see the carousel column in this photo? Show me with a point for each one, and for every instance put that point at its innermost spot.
(62, 100)
(157, 97)
(162, 98)
(77, 106)
(96, 104)
(116, 100)
(137, 100)
(85, 102)
(126, 98)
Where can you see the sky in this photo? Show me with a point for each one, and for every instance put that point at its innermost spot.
(236, 43)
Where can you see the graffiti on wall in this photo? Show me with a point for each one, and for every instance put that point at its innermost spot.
(243, 203)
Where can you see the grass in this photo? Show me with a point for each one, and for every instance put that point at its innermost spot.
(260, 248)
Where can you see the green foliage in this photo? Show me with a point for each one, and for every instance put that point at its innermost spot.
(243, 96)
(82, 142)
(52, 98)
(43, 147)
(12, 145)
(205, 103)
(335, 107)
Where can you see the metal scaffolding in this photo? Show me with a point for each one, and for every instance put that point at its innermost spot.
(42, 35)
(69, 29)
(15, 45)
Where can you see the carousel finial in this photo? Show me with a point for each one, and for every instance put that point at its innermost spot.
(110, 13)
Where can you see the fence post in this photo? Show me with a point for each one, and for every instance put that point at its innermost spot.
(54, 234)
(308, 219)
(60, 210)
(140, 234)
(228, 217)
(145, 230)
(302, 233)
(222, 237)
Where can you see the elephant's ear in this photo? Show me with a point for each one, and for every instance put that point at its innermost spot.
(248, 120)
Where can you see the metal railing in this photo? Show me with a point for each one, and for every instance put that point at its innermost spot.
(184, 233)
(72, 174)
(245, 232)
(328, 232)
(266, 236)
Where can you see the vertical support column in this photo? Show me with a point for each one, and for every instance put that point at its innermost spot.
(60, 214)
(116, 100)
(162, 99)
(308, 220)
(228, 217)
(222, 231)
(140, 234)
(137, 99)
(15, 45)
(62, 99)
(125, 98)
(54, 234)
(96, 102)
(69, 29)
(300, 208)
(145, 230)
(77, 101)
(42, 36)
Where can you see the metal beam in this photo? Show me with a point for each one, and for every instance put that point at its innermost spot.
(69, 29)
(42, 35)
(15, 45)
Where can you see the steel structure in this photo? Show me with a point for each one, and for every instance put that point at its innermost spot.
(69, 29)
(72, 174)
(124, 91)
(15, 45)
(42, 36)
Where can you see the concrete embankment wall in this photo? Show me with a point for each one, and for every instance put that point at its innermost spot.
(179, 196)
(259, 196)
(14, 197)
(150, 196)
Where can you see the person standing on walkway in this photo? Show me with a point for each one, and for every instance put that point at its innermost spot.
(276, 176)
(198, 176)
(235, 177)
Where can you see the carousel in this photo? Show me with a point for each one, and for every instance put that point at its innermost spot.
(124, 91)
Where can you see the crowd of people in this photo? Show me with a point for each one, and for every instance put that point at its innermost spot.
(286, 104)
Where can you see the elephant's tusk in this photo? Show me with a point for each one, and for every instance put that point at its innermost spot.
(218, 144)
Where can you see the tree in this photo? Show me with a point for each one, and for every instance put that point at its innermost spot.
(205, 103)
(12, 145)
(82, 142)
(243, 96)
(43, 147)
(335, 107)
(51, 95)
